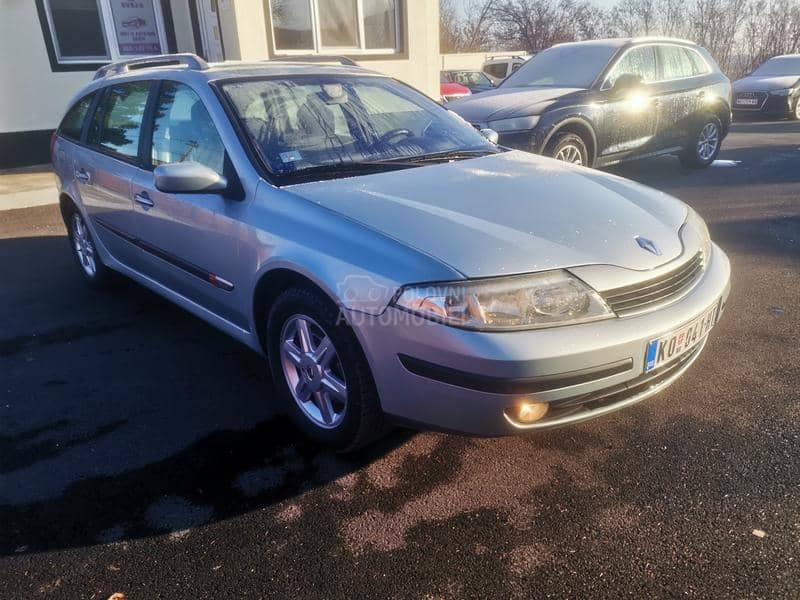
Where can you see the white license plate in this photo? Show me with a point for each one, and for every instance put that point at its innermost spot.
(747, 101)
(670, 346)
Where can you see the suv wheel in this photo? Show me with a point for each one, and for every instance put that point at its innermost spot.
(321, 373)
(796, 111)
(94, 272)
(568, 147)
(705, 146)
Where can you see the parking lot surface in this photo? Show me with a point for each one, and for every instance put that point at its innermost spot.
(140, 453)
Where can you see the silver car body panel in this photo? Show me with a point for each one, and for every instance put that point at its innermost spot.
(361, 239)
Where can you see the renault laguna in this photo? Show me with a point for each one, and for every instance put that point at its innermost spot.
(390, 262)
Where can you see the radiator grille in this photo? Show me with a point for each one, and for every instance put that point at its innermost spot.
(660, 290)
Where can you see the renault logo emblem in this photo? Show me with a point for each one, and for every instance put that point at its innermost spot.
(648, 245)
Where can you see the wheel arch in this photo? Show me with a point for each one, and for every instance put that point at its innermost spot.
(268, 288)
(580, 127)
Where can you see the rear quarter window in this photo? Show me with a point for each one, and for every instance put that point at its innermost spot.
(72, 124)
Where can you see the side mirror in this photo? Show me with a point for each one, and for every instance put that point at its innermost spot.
(188, 178)
(491, 135)
(625, 83)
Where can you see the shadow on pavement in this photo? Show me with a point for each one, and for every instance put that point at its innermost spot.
(124, 416)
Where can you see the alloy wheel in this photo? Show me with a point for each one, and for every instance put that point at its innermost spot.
(570, 154)
(313, 371)
(82, 243)
(708, 141)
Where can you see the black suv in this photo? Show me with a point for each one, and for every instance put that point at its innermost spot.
(601, 102)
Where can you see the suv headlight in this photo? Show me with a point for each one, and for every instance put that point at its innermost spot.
(515, 124)
(785, 92)
(696, 223)
(507, 303)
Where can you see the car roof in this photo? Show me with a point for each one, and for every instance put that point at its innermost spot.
(627, 41)
(188, 67)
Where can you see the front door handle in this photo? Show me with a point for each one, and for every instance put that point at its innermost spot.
(82, 176)
(143, 198)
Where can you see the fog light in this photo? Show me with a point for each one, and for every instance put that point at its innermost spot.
(530, 412)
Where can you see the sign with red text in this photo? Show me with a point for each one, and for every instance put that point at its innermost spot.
(135, 24)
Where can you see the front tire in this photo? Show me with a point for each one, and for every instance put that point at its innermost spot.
(321, 373)
(568, 147)
(705, 146)
(796, 112)
(84, 251)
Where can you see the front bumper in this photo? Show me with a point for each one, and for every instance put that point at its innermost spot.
(598, 367)
(768, 105)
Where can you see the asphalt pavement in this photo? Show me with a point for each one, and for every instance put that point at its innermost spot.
(140, 452)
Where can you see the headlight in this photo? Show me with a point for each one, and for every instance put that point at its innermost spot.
(516, 124)
(696, 223)
(785, 92)
(506, 303)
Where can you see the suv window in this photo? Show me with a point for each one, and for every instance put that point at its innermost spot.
(496, 70)
(117, 123)
(675, 63)
(638, 61)
(183, 129)
(72, 124)
(699, 65)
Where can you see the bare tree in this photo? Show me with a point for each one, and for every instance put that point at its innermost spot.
(740, 34)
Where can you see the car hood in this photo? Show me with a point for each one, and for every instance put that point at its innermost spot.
(765, 84)
(510, 213)
(508, 102)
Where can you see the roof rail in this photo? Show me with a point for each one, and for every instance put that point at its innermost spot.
(192, 61)
(315, 58)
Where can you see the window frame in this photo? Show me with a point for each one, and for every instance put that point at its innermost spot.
(659, 67)
(109, 33)
(149, 121)
(144, 131)
(316, 34)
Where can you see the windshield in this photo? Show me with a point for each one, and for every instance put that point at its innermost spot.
(572, 65)
(777, 67)
(310, 122)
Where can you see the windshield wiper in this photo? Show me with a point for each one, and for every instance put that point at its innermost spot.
(445, 156)
(336, 170)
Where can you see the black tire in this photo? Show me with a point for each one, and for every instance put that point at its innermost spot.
(795, 116)
(559, 148)
(98, 276)
(362, 420)
(692, 157)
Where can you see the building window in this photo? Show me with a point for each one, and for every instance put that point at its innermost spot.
(97, 31)
(319, 26)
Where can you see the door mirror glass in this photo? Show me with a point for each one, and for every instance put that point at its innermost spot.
(188, 178)
(627, 82)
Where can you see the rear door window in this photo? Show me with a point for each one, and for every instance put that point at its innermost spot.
(183, 130)
(117, 123)
(72, 124)
(675, 63)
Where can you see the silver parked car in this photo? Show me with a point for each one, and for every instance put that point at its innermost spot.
(391, 263)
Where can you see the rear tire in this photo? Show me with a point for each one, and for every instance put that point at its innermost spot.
(330, 395)
(84, 251)
(705, 145)
(568, 147)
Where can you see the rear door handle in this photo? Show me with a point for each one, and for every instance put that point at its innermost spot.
(143, 198)
(82, 176)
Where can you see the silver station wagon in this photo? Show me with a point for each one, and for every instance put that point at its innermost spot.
(391, 263)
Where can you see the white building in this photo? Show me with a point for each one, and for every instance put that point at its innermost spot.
(50, 48)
